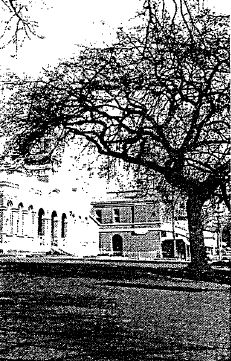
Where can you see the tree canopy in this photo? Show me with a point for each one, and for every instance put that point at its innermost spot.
(158, 98)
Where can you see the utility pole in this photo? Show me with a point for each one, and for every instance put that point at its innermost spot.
(220, 226)
(219, 237)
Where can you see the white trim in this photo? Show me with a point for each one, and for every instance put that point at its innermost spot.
(112, 230)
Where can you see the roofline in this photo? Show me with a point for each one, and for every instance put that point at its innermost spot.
(120, 201)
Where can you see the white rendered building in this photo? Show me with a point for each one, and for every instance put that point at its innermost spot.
(38, 217)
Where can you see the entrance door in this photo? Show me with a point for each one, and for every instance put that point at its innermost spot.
(168, 248)
(180, 249)
(117, 245)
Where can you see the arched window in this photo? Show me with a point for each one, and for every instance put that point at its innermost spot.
(20, 220)
(30, 220)
(54, 224)
(41, 222)
(9, 218)
(64, 226)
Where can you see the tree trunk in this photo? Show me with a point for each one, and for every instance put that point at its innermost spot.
(199, 263)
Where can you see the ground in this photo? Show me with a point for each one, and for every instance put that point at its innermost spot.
(67, 309)
(120, 270)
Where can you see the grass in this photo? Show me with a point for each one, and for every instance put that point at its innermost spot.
(218, 272)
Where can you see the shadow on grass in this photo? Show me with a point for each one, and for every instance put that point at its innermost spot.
(157, 287)
(116, 271)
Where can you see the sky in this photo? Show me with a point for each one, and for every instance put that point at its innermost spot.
(66, 23)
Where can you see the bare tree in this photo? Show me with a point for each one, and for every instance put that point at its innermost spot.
(158, 99)
(15, 23)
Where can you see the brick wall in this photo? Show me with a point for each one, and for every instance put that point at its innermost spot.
(104, 242)
(126, 214)
(135, 220)
(139, 213)
(149, 242)
(146, 213)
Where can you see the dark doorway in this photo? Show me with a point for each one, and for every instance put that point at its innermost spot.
(180, 249)
(168, 248)
(117, 245)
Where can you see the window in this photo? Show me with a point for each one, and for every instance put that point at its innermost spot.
(9, 218)
(41, 222)
(64, 226)
(133, 214)
(116, 215)
(163, 234)
(20, 220)
(30, 220)
(98, 214)
(54, 224)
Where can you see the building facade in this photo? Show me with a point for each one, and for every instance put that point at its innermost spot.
(136, 228)
(128, 226)
(40, 216)
(35, 217)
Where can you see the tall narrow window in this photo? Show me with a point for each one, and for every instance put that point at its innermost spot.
(54, 224)
(30, 220)
(9, 218)
(64, 226)
(116, 215)
(41, 222)
(98, 214)
(20, 220)
(133, 214)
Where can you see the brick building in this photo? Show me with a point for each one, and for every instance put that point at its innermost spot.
(128, 226)
(138, 228)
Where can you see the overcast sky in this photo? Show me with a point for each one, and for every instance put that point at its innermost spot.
(68, 22)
